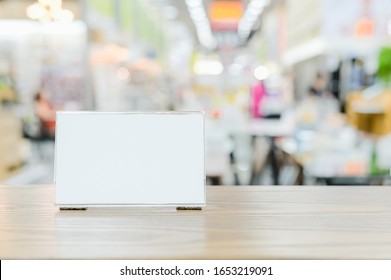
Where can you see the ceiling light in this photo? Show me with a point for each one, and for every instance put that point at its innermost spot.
(35, 11)
(201, 22)
(208, 67)
(49, 10)
(246, 24)
(253, 10)
(203, 28)
(199, 18)
(45, 2)
(258, 3)
(197, 11)
(261, 73)
(252, 16)
(193, 3)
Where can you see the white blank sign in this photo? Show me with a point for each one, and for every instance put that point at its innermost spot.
(129, 159)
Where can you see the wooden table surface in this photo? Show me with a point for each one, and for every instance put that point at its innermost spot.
(238, 223)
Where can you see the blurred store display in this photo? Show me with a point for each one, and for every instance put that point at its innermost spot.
(294, 92)
(14, 150)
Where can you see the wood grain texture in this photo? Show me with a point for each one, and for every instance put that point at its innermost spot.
(238, 223)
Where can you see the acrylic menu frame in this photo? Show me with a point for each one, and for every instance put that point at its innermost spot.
(106, 159)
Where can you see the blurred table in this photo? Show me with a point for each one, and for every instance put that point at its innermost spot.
(246, 222)
(333, 158)
(218, 150)
(285, 126)
(216, 166)
(272, 129)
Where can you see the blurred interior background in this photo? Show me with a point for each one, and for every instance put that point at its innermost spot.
(294, 91)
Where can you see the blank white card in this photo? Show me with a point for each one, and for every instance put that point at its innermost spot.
(129, 159)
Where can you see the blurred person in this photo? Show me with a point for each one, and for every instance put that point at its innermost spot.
(357, 78)
(46, 114)
(318, 107)
(258, 92)
(318, 87)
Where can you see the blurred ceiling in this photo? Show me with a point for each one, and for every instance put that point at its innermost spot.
(227, 24)
(215, 24)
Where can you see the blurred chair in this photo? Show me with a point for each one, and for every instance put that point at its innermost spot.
(290, 170)
(42, 142)
(370, 115)
(260, 149)
(370, 112)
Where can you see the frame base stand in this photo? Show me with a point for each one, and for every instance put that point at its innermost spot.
(73, 208)
(85, 208)
(189, 208)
